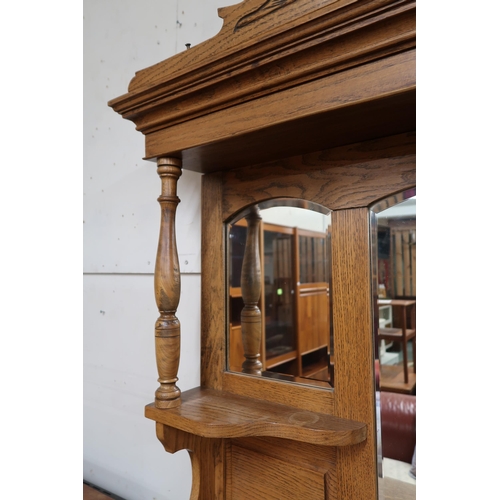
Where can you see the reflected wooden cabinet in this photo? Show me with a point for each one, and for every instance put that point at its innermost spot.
(296, 326)
(312, 101)
(313, 305)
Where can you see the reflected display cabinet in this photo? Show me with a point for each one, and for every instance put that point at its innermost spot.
(294, 301)
(308, 103)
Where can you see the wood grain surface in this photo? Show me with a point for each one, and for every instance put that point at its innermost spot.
(354, 394)
(287, 463)
(326, 96)
(213, 297)
(345, 177)
(214, 414)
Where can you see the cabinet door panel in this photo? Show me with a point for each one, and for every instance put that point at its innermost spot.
(313, 318)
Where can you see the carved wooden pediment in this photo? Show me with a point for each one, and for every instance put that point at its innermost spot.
(326, 55)
(246, 24)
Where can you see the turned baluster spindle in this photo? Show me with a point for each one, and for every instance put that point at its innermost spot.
(167, 285)
(251, 321)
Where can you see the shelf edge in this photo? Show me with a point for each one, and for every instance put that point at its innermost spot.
(215, 414)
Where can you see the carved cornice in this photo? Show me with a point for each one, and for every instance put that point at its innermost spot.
(293, 42)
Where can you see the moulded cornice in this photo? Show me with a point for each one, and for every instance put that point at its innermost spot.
(293, 42)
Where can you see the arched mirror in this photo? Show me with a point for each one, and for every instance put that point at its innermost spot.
(279, 310)
(394, 252)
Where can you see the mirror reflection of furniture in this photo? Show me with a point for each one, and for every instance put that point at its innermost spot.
(296, 326)
(405, 333)
(384, 321)
(394, 231)
(296, 99)
(394, 259)
(398, 416)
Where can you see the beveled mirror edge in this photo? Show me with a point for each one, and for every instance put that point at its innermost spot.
(392, 200)
(274, 202)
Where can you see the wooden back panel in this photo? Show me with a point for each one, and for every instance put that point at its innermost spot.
(274, 469)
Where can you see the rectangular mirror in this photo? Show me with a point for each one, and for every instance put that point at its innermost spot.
(291, 269)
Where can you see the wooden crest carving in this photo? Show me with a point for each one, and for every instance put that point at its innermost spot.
(266, 8)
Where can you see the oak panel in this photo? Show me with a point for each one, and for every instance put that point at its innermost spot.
(257, 476)
(364, 121)
(353, 355)
(345, 177)
(213, 314)
(307, 471)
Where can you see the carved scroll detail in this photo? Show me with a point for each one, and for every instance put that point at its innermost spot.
(266, 8)
(167, 286)
(251, 319)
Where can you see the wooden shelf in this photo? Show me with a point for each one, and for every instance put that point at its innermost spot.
(214, 414)
(274, 361)
(314, 368)
(314, 349)
(392, 379)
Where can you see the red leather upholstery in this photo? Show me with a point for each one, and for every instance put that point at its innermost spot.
(398, 418)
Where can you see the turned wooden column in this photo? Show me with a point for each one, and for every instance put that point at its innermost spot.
(167, 288)
(251, 321)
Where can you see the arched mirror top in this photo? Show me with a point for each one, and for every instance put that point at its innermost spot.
(280, 203)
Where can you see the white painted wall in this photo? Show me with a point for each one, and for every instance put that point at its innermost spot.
(120, 231)
(296, 217)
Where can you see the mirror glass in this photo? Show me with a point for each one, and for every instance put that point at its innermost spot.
(278, 288)
(394, 252)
